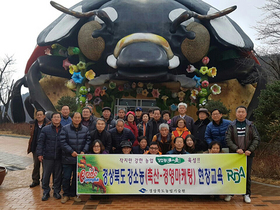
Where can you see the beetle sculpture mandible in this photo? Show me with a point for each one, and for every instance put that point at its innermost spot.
(151, 40)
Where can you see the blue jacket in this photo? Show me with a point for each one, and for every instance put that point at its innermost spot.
(216, 132)
(117, 138)
(73, 139)
(65, 121)
(48, 144)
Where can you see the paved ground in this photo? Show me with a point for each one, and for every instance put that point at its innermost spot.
(16, 194)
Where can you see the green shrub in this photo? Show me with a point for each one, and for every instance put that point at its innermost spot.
(267, 115)
(67, 100)
(211, 105)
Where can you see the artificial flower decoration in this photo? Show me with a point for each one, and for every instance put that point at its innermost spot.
(77, 77)
(174, 95)
(196, 78)
(212, 72)
(70, 84)
(190, 69)
(203, 92)
(164, 98)
(173, 107)
(155, 93)
(133, 85)
(66, 64)
(81, 65)
(194, 93)
(203, 70)
(145, 92)
(193, 99)
(149, 86)
(48, 52)
(126, 86)
(82, 99)
(73, 68)
(205, 60)
(112, 85)
(139, 90)
(97, 101)
(202, 101)
(83, 90)
(90, 74)
(89, 96)
(121, 88)
(73, 50)
(205, 84)
(104, 88)
(181, 99)
(140, 84)
(97, 91)
(181, 94)
(103, 92)
(197, 84)
(216, 89)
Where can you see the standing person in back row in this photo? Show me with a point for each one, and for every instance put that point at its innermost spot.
(106, 115)
(35, 131)
(153, 125)
(182, 109)
(65, 118)
(242, 137)
(216, 130)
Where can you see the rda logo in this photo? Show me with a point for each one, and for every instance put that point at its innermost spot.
(235, 174)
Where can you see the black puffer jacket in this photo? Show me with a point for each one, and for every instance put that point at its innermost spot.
(48, 144)
(73, 139)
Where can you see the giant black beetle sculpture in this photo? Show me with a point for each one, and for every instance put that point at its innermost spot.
(151, 40)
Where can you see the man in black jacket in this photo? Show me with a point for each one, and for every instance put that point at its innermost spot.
(199, 129)
(35, 130)
(242, 137)
(119, 134)
(74, 140)
(153, 125)
(101, 134)
(49, 153)
(88, 119)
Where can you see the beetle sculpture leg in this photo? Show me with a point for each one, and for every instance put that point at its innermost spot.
(51, 65)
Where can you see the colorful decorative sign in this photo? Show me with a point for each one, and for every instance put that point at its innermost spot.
(212, 174)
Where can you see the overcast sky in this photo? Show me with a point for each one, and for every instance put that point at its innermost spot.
(22, 21)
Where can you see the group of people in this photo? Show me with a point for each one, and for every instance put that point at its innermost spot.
(57, 142)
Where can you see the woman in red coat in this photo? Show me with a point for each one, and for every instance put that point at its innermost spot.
(131, 125)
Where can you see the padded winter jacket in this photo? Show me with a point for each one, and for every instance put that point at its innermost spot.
(73, 139)
(48, 144)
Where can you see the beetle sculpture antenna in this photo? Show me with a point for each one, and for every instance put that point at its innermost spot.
(189, 14)
(99, 13)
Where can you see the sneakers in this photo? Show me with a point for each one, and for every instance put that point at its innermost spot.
(45, 197)
(247, 199)
(65, 199)
(77, 199)
(228, 198)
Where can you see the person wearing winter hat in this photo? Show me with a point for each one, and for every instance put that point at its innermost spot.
(199, 129)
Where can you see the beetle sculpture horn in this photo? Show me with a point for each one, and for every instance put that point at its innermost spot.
(99, 13)
(189, 14)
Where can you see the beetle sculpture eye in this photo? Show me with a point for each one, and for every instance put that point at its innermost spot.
(91, 47)
(195, 49)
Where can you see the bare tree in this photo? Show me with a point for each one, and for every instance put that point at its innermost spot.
(268, 29)
(6, 87)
